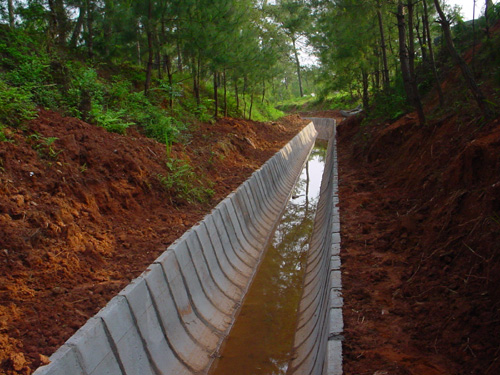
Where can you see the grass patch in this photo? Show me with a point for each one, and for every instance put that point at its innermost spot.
(184, 184)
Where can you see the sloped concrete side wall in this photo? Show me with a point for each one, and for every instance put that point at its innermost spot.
(173, 318)
(317, 345)
(324, 126)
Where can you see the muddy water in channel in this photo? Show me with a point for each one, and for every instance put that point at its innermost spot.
(261, 340)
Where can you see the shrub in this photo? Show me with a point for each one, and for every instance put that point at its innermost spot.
(182, 182)
(156, 121)
(390, 104)
(3, 136)
(33, 74)
(16, 105)
(85, 92)
(112, 121)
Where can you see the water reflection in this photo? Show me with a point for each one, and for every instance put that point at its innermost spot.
(261, 340)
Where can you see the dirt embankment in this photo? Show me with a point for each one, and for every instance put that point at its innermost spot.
(83, 211)
(420, 212)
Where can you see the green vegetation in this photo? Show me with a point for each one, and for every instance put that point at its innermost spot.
(387, 55)
(157, 64)
(184, 183)
(160, 65)
(44, 146)
(16, 105)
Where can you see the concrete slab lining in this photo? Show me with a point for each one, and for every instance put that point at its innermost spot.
(174, 317)
(325, 127)
(318, 339)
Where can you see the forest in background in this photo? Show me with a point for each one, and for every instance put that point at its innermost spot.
(388, 55)
(156, 64)
(162, 64)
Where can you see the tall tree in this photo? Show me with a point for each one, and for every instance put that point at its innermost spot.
(294, 17)
(90, 8)
(411, 37)
(383, 47)
(406, 68)
(58, 20)
(77, 30)
(431, 54)
(149, 33)
(487, 6)
(466, 72)
(10, 7)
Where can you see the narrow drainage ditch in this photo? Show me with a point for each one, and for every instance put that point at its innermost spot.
(261, 339)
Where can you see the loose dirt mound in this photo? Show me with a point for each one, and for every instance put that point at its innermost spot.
(83, 211)
(421, 246)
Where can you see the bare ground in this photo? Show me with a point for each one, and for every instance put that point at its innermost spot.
(83, 212)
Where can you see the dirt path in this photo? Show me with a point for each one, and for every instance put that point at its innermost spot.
(83, 211)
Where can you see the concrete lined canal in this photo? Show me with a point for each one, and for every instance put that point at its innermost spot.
(261, 340)
(177, 317)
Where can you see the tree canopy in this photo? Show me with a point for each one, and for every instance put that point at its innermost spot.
(234, 53)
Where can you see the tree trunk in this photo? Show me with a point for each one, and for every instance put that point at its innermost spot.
(487, 5)
(411, 39)
(251, 106)
(10, 6)
(149, 33)
(52, 21)
(263, 91)
(216, 96)
(194, 73)
(90, 29)
(236, 95)
(473, 36)
(138, 50)
(168, 65)
(385, 72)
(225, 92)
(403, 53)
(108, 9)
(198, 79)
(421, 40)
(408, 79)
(179, 57)
(58, 21)
(365, 90)
(158, 64)
(78, 26)
(431, 55)
(466, 72)
(243, 94)
(297, 63)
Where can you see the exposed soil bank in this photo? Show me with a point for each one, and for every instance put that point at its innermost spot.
(421, 246)
(83, 211)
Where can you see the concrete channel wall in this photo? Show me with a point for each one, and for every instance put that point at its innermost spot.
(317, 344)
(174, 317)
(324, 126)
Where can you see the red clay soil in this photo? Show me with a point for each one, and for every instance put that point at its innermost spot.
(420, 216)
(83, 212)
(330, 113)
